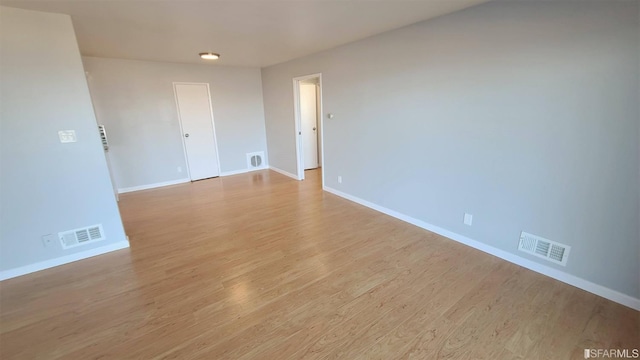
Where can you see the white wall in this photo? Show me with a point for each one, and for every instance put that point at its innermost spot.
(47, 186)
(524, 114)
(136, 103)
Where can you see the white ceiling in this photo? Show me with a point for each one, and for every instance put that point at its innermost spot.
(245, 33)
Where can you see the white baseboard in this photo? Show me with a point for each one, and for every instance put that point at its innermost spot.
(583, 284)
(182, 181)
(153, 186)
(242, 171)
(27, 269)
(234, 172)
(285, 173)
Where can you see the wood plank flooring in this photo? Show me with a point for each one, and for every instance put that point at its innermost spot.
(259, 266)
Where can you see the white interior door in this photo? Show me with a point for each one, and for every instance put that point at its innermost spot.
(196, 119)
(309, 123)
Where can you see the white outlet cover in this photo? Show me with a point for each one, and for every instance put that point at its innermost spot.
(49, 239)
(340, 179)
(468, 219)
(67, 136)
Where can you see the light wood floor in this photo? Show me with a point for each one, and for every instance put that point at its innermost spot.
(259, 266)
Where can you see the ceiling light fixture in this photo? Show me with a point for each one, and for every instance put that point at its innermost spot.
(209, 56)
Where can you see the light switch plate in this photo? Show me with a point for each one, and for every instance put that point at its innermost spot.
(67, 136)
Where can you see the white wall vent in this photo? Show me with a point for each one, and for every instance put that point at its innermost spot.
(255, 160)
(103, 137)
(81, 236)
(544, 248)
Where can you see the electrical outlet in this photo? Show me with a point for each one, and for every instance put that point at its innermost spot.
(48, 240)
(468, 219)
(179, 169)
(339, 179)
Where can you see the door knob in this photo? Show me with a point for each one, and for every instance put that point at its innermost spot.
(314, 129)
(186, 135)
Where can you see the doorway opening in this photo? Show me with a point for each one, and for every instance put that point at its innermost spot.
(307, 93)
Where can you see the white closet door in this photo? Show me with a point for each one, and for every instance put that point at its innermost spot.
(309, 122)
(194, 108)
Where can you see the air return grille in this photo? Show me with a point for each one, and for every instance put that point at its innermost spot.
(544, 248)
(103, 137)
(255, 160)
(81, 236)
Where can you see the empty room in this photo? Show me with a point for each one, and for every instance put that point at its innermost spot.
(317, 179)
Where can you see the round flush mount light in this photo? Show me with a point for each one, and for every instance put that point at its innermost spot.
(209, 56)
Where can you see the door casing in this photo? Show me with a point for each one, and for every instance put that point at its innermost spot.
(298, 125)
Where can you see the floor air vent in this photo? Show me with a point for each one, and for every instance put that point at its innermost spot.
(544, 248)
(81, 236)
(255, 160)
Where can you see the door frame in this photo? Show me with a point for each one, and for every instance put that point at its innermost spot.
(298, 124)
(213, 125)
